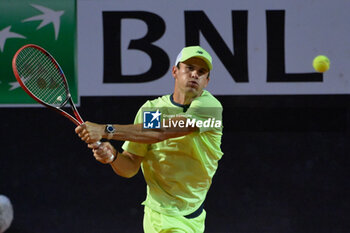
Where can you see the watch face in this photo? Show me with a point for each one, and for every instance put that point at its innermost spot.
(110, 129)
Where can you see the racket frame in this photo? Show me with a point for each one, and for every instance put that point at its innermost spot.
(78, 120)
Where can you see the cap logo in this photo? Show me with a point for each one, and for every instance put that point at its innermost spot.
(200, 52)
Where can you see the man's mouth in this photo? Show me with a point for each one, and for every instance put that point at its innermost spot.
(193, 83)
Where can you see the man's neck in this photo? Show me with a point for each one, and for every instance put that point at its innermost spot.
(184, 99)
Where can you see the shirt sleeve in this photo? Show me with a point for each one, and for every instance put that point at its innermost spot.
(136, 148)
(206, 114)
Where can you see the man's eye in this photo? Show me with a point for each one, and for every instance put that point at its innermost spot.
(201, 72)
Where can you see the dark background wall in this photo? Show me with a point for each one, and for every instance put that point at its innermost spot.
(285, 168)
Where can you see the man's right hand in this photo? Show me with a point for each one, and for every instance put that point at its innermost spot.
(90, 132)
(105, 153)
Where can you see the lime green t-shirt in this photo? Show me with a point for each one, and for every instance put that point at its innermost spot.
(179, 171)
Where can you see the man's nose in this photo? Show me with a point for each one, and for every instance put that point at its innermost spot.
(194, 74)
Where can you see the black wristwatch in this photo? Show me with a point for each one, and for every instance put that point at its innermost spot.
(110, 130)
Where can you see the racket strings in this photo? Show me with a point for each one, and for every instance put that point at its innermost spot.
(41, 69)
(36, 73)
(42, 77)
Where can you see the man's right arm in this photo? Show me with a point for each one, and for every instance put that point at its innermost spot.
(92, 132)
(127, 164)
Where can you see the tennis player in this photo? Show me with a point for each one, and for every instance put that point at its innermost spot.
(179, 159)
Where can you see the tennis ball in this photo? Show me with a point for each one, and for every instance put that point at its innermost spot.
(321, 63)
(59, 98)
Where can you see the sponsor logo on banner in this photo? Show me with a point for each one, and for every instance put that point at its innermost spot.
(257, 48)
(49, 24)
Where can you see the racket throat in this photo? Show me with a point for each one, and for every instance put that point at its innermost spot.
(74, 108)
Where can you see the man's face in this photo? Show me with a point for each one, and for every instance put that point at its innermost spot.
(191, 76)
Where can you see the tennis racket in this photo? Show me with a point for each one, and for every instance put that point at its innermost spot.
(42, 78)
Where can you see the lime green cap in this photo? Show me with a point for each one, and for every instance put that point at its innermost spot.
(194, 51)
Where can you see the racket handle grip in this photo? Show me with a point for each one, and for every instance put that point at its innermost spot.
(96, 144)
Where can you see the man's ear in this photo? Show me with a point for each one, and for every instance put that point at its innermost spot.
(174, 71)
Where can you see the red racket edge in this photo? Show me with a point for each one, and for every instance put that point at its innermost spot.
(77, 121)
(47, 54)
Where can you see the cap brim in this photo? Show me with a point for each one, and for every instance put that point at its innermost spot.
(210, 66)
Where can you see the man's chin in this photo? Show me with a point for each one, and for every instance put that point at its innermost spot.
(193, 90)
